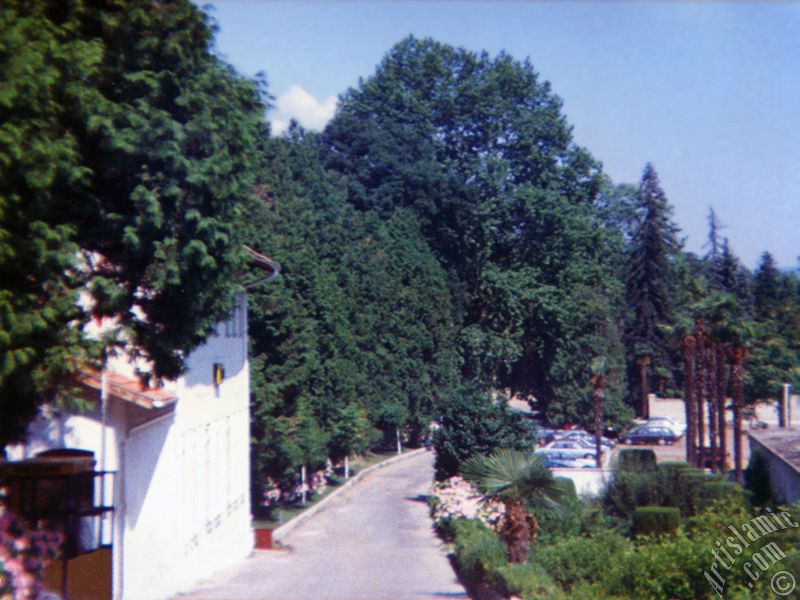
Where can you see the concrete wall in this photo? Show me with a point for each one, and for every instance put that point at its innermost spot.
(588, 482)
(674, 409)
(784, 481)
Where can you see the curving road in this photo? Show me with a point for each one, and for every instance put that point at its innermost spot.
(372, 542)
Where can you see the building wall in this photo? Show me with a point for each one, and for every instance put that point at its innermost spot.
(784, 480)
(182, 488)
(187, 497)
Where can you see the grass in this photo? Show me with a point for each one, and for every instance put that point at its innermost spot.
(283, 513)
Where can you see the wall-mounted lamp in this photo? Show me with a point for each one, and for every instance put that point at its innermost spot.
(219, 374)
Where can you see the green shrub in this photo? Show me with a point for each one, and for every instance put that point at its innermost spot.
(580, 559)
(656, 520)
(639, 460)
(446, 528)
(690, 484)
(669, 474)
(720, 492)
(530, 581)
(667, 567)
(478, 549)
(560, 520)
(628, 490)
(471, 424)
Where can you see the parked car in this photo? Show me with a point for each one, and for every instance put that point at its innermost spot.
(545, 435)
(579, 463)
(649, 435)
(571, 449)
(577, 435)
(678, 429)
(564, 458)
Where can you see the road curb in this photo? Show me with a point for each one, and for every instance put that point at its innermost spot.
(279, 532)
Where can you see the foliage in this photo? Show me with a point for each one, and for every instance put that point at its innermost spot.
(579, 559)
(649, 284)
(721, 492)
(129, 149)
(355, 335)
(636, 459)
(471, 423)
(514, 478)
(672, 484)
(511, 473)
(477, 148)
(478, 549)
(560, 520)
(528, 581)
(655, 520)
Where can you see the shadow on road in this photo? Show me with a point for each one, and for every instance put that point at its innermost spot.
(422, 498)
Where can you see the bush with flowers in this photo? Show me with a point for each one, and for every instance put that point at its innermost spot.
(456, 498)
(287, 492)
(23, 556)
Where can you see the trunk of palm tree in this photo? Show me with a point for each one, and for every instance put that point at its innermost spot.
(700, 391)
(688, 348)
(721, 413)
(516, 531)
(737, 386)
(644, 362)
(711, 356)
(598, 391)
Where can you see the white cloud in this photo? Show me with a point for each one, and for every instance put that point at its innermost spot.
(298, 104)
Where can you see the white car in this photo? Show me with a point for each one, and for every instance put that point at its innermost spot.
(584, 437)
(568, 449)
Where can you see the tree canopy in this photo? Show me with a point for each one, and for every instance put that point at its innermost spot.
(478, 148)
(127, 152)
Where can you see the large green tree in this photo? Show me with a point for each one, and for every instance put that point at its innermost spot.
(357, 333)
(478, 148)
(126, 149)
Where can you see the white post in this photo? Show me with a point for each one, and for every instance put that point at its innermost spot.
(103, 416)
(399, 445)
(303, 484)
(346, 467)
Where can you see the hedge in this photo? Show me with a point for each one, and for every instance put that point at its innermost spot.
(656, 520)
(636, 459)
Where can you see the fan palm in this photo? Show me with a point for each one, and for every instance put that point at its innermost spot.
(513, 477)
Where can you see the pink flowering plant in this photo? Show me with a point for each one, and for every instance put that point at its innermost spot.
(456, 498)
(23, 556)
(289, 491)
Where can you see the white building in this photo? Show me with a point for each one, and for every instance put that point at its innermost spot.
(181, 459)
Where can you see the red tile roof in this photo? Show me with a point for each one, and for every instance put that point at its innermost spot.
(128, 389)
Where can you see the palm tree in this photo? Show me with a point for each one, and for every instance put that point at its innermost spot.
(598, 381)
(513, 477)
(688, 344)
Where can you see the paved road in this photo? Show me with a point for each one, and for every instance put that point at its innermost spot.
(373, 542)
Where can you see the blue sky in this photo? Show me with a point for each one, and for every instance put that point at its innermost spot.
(709, 92)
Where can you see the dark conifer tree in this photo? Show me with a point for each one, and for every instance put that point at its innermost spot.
(734, 278)
(648, 292)
(767, 289)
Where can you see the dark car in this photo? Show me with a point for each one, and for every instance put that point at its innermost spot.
(649, 435)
